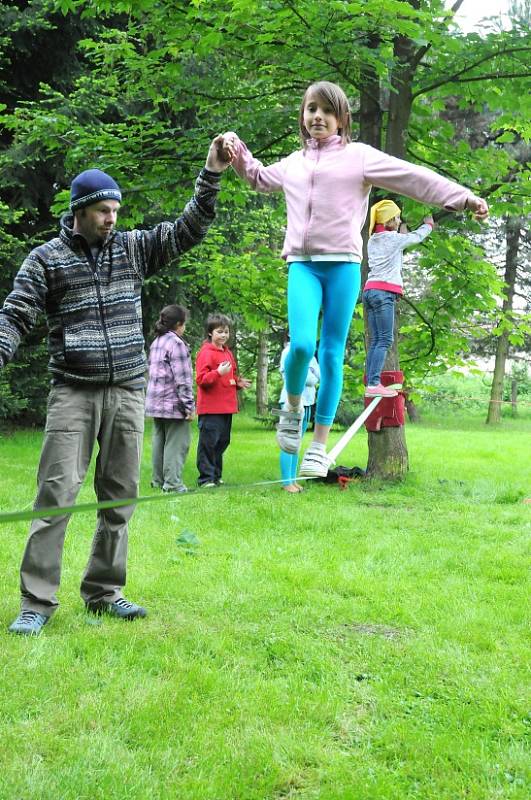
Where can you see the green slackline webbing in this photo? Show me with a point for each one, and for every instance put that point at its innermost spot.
(59, 511)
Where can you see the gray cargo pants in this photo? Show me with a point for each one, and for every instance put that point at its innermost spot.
(170, 446)
(77, 418)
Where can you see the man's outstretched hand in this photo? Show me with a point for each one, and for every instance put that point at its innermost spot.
(220, 154)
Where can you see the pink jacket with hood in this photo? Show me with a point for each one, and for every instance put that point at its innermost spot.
(327, 190)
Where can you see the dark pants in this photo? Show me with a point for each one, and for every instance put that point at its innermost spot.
(214, 438)
(380, 309)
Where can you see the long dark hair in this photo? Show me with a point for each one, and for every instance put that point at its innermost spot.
(169, 317)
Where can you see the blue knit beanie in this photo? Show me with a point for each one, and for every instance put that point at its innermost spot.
(91, 186)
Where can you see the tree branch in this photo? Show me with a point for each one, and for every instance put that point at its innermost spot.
(243, 97)
(493, 76)
(436, 167)
(421, 52)
(298, 15)
(467, 68)
(429, 326)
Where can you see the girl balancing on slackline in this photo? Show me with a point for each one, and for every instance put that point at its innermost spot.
(326, 185)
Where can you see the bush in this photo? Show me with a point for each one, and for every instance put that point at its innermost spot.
(348, 411)
(453, 393)
(24, 386)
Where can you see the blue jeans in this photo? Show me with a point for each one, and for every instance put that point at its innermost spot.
(333, 287)
(379, 306)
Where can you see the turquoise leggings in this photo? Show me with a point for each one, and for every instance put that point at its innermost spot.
(289, 461)
(333, 286)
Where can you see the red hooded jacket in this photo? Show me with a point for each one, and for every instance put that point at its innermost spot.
(216, 394)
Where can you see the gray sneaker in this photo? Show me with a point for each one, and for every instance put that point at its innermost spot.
(121, 608)
(29, 623)
(289, 429)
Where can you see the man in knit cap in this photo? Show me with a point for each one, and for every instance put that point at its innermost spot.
(88, 281)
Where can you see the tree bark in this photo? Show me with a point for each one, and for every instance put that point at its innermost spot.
(512, 237)
(261, 374)
(514, 397)
(412, 411)
(371, 113)
(401, 97)
(388, 455)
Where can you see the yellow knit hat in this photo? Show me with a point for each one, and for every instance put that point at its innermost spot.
(382, 212)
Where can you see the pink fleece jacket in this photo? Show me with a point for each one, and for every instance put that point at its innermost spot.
(327, 190)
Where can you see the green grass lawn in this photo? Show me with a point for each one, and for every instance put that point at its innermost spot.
(363, 644)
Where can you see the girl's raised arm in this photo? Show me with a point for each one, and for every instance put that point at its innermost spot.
(419, 183)
(259, 177)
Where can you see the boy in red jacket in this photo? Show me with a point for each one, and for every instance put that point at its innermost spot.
(217, 379)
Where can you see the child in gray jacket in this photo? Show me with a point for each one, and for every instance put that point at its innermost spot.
(384, 286)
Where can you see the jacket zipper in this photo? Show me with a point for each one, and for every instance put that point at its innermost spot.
(94, 265)
(305, 245)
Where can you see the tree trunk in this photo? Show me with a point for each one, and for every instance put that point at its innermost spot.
(514, 395)
(512, 234)
(370, 108)
(413, 413)
(370, 126)
(388, 455)
(496, 390)
(401, 97)
(261, 374)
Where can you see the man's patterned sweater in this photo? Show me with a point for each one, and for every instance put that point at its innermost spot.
(93, 309)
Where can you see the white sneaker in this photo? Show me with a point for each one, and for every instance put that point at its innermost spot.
(289, 429)
(315, 463)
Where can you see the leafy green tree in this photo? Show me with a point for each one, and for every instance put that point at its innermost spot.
(510, 331)
(162, 77)
(37, 45)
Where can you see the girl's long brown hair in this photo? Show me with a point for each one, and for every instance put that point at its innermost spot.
(333, 95)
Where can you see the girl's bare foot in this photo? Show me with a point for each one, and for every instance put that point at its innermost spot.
(291, 488)
(299, 487)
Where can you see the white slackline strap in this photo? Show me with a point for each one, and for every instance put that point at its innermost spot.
(354, 428)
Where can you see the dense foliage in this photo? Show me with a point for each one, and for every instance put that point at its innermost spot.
(139, 88)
